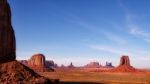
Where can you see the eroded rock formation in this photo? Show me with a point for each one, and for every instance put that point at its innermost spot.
(37, 60)
(12, 71)
(50, 64)
(93, 65)
(38, 63)
(109, 65)
(124, 66)
(125, 61)
(7, 36)
(71, 65)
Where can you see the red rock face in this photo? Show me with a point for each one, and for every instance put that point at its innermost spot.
(93, 65)
(109, 65)
(7, 36)
(50, 63)
(37, 60)
(125, 61)
(124, 66)
(38, 63)
(16, 73)
(11, 71)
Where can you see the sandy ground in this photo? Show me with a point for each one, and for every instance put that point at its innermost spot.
(81, 76)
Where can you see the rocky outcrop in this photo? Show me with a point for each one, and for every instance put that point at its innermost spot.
(7, 36)
(37, 60)
(109, 65)
(71, 65)
(125, 61)
(38, 63)
(124, 66)
(12, 71)
(50, 63)
(93, 65)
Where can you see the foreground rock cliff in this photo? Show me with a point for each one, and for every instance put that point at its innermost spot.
(12, 71)
(7, 36)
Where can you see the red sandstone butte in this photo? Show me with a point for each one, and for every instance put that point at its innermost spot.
(38, 63)
(124, 66)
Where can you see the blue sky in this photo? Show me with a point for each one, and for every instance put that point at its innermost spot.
(81, 31)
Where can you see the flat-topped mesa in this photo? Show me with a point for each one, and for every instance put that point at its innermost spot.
(7, 36)
(37, 60)
(93, 65)
(125, 61)
(38, 63)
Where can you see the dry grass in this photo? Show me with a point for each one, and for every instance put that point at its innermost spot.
(79, 75)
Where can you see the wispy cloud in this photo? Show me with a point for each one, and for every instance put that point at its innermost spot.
(120, 50)
(108, 49)
(137, 31)
(94, 29)
(148, 40)
(120, 2)
(133, 27)
(115, 38)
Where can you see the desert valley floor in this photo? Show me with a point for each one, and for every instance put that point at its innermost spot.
(81, 76)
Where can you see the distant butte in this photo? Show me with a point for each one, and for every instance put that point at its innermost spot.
(124, 66)
(93, 65)
(38, 63)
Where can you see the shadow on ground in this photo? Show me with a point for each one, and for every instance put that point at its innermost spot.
(64, 82)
